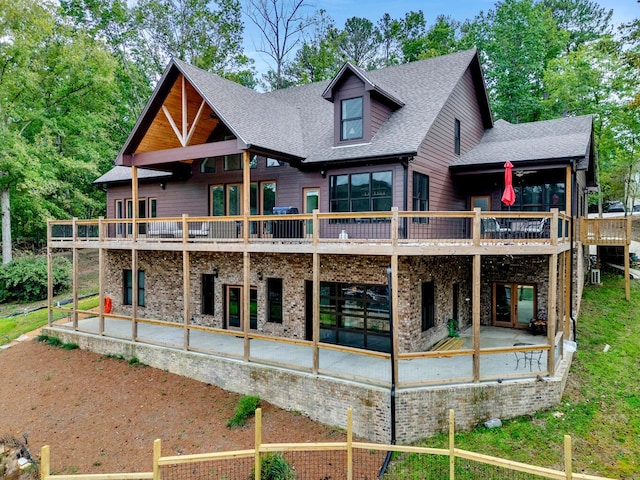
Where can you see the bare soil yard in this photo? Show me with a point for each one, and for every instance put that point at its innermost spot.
(101, 414)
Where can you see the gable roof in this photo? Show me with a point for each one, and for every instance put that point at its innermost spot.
(298, 122)
(546, 141)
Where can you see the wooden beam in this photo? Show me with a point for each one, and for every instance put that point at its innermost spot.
(395, 315)
(134, 295)
(101, 284)
(172, 122)
(134, 200)
(75, 287)
(195, 123)
(184, 110)
(169, 155)
(475, 315)
(627, 274)
(568, 191)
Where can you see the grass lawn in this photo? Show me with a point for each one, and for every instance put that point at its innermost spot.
(601, 405)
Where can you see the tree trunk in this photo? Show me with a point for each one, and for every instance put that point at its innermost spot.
(6, 226)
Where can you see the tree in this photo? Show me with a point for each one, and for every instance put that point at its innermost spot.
(56, 116)
(391, 41)
(516, 41)
(193, 31)
(282, 24)
(585, 20)
(317, 58)
(440, 39)
(359, 42)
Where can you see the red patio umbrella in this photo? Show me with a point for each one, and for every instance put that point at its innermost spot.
(509, 196)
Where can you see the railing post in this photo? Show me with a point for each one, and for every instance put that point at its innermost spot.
(74, 229)
(476, 225)
(156, 459)
(45, 464)
(316, 228)
(394, 226)
(568, 467)
(185, 228)
(452, 451)
(553, 230)
(258, 442)
(349, 443)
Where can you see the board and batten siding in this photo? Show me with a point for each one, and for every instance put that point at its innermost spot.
(436, 153)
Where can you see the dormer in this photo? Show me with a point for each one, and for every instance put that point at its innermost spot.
(360, 107)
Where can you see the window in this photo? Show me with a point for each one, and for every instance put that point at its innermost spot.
(420, 195)
(272, 162)
(428, 305)
(361, 192)
(227, 199)
(153, 208)
(354, 315)
(208, 165)
(233, 162)
(274, 300)
(456, 136)
(127, 294)
(539, 197)
(234, 307)
(208, 294)
(351, 124)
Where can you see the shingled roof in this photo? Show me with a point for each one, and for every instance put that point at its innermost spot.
(120, 173)
(549, 140)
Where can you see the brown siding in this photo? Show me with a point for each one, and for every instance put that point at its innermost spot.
(437, 150)
(379, 114)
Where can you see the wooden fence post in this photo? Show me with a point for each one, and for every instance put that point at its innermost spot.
(568, 466)
(349, 443)
(156, 458)
(45, 464)
(258, 442)
(452, 453)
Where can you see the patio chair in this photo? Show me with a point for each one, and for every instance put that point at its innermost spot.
(491, 228)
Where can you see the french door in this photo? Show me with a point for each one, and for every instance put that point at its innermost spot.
(514, 304)
(311, 202)
(233, 308)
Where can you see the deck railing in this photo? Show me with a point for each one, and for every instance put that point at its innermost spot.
(394, 227)
(606, 231)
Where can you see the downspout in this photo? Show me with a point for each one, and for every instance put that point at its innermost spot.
(387, 459)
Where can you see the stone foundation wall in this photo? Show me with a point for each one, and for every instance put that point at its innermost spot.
(420, 412)
(164, 288)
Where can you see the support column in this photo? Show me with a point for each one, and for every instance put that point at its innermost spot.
(134, 294)
(394, 313)
(134, 200)
(551, 312)
(75, 287)
(246, 194)
(567, 295)
(316, 310)
(246, 304)
(49, 282)
(101, 284)
(186, 297)
(475, 315)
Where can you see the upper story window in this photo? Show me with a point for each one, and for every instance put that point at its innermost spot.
(456, 137)
(351, 119)
(208, 165)
(361, 192)
(420, 195)
(272, 162)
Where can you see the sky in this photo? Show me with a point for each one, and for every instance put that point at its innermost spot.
(341, 10)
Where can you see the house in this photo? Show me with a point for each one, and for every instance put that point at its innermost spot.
(329, 236)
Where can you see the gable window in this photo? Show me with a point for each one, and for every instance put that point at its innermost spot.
(272, 162)
(274, 300)
(351, 120)
(361, 192)
(127, 293)
(208, 165)
(420, 195)
(456, 137)
(233, 162)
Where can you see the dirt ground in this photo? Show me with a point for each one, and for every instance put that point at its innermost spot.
(101, 415)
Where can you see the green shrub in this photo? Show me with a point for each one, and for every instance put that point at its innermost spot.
(273, 466)
(245, 409)
(25, 279)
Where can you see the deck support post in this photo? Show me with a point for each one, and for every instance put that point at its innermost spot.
(394, 315)
(49, 281)
(551, 312)
(475, 315)
(246, 303)
(75, 285)
(134, 294)
(316, 309)
(186, 297)
(101, 284)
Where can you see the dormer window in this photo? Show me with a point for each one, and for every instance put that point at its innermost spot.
(351, 119)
